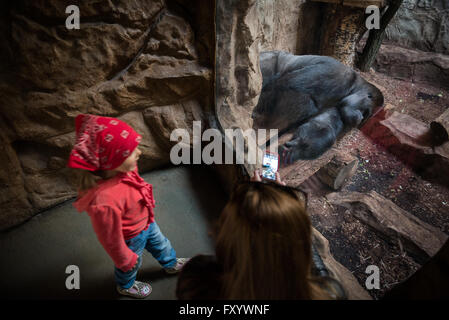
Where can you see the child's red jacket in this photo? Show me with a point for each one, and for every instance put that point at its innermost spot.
(119, 208)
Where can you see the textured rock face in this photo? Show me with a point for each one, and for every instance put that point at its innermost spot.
(414, 65)
(243, 30)
(238, 77)
(280, 24)
(149, 63)
(421, 24)
(416, 46)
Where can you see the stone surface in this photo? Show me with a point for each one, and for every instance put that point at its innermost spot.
(244, 29)
(150, 63)
(237, 65)
(126, 58)
(421, 24)
(163, 120)
(415, 47)
(280, 24)
(238, 76)
(414, 65)
(13, 193)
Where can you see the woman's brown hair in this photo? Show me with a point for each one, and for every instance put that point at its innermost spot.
(264, 244)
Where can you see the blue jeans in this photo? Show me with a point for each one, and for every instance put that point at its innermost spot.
(156, 243)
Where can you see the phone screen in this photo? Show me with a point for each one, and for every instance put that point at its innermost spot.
(269, 166)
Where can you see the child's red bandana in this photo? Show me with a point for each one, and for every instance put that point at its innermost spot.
(102, 143)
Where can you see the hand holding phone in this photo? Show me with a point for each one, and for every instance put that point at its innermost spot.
(258, 177)
(270, 165)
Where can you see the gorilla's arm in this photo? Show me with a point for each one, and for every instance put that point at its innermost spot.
(313, 138)
(278, 104)
(354, 109)
(364, 101)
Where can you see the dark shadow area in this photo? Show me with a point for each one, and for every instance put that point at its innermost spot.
(429, 282)
(217, 195)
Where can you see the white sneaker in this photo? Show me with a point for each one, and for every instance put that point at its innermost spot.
(180, 262)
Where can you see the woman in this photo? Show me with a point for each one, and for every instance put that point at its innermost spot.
(263, 250)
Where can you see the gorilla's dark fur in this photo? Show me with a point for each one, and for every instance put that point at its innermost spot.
(318, 95)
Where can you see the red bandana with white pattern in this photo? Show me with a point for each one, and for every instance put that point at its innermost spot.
(102, 143)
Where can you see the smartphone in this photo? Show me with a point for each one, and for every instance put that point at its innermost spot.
(270, 165)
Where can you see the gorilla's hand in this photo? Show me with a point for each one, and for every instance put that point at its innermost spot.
(285, 155)
(288, 153)
(306, 148)
(351, 116)
(356, 108)
(312, 138)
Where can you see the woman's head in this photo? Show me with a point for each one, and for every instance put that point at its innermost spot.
(264, 243)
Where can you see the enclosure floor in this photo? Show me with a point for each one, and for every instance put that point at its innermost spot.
(355, 244)
(35, 255)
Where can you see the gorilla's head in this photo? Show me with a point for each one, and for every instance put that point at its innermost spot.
(362, 104)
(377, 97)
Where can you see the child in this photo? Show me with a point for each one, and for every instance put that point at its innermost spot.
(119, 202)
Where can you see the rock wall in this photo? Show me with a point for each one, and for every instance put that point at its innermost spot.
(243, 30)
(422, 25)
(413, 65)
(147, 62)
(416, 46)
(156, 64)
(305, 27)
(150, 63)
(280, 24)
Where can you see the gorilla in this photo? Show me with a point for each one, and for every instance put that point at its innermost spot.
(317, 95)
